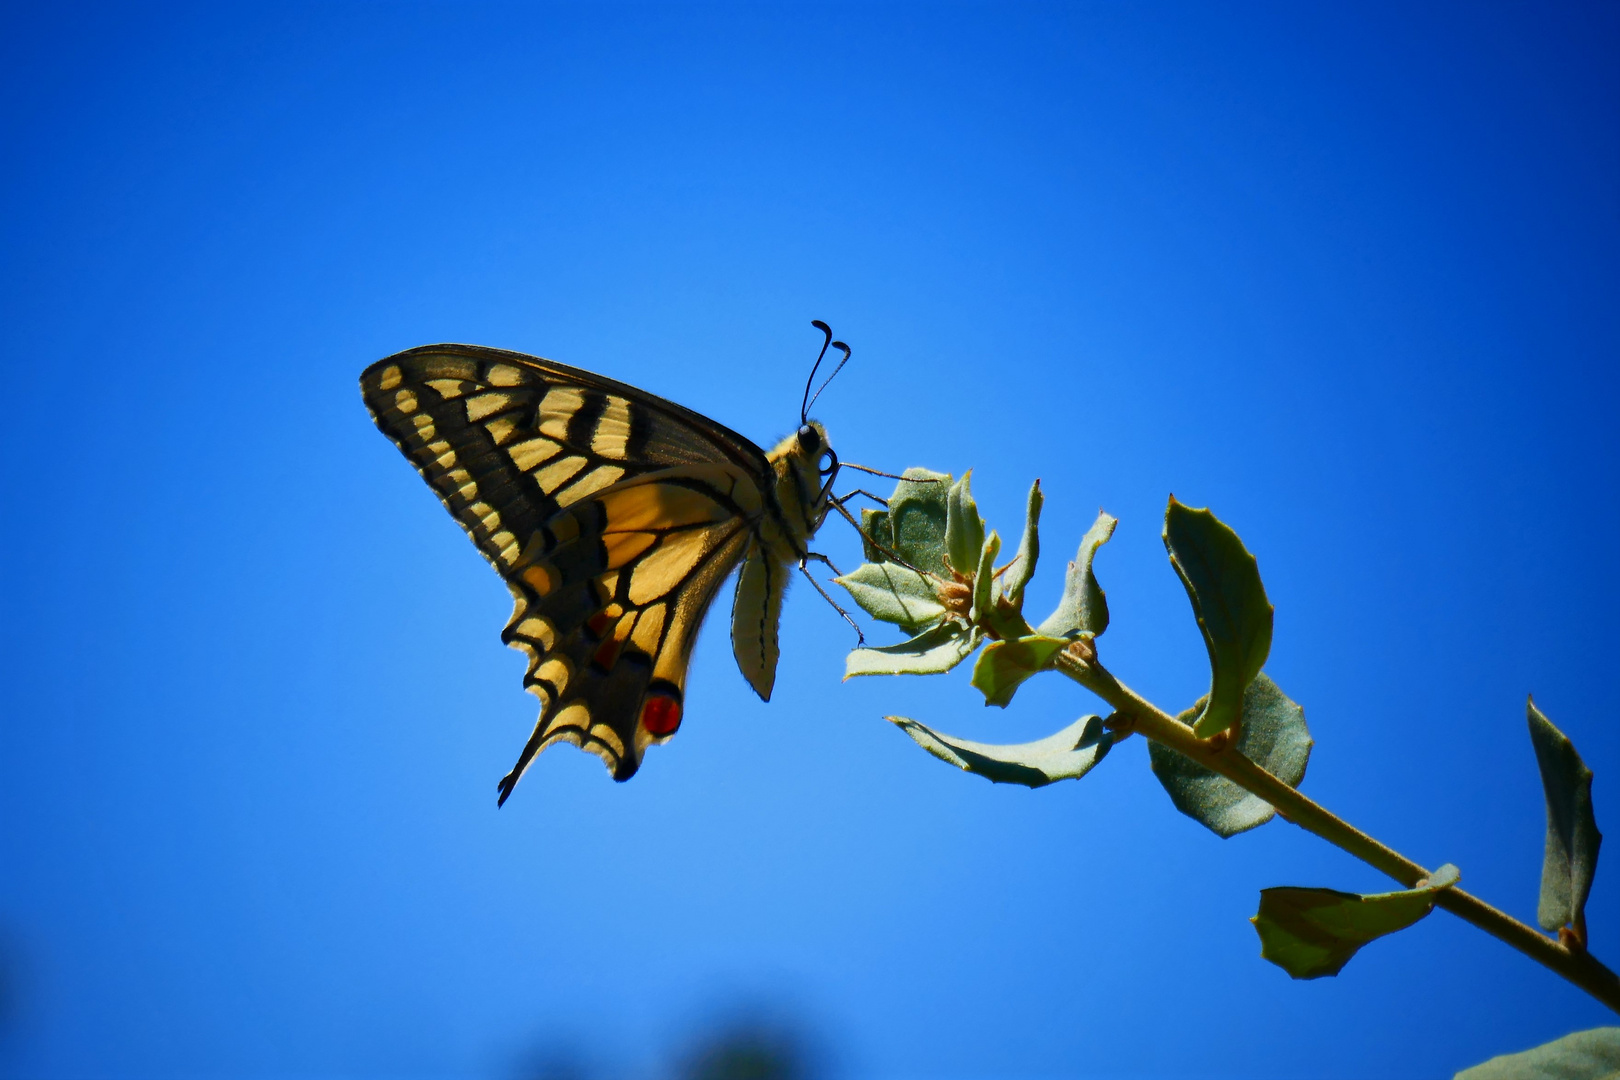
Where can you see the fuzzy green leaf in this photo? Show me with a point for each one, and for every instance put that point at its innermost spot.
(1310, 933)
(876, 526)
(964, 529)
(1029, 549)
(1274, 736)
(1585, 1055)
(892, 593)
(1068, 755)
(1571, 854)
(1004, 665)
(1223, 581)
(1083, 607)
(983, 578)
(929, 653)
(917, 517)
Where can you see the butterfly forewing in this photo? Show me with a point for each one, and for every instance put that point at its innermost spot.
(612, 514)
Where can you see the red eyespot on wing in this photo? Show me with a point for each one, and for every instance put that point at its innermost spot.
(660, 715)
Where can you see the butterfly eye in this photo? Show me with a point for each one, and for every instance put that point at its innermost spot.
(809, 439)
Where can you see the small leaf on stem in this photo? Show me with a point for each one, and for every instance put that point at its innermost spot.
(876, 528)
(1273, 736)
(929, 653)
(964, 529)
(984, 578)
(1310, 933)
(917, 517)
(1029, 550)
(1068, 755)
(1223, 582)
(1571, 854)
(1004, 665)
(1083, 607)
(894, 594)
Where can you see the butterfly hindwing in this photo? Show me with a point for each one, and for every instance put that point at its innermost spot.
(608, 602)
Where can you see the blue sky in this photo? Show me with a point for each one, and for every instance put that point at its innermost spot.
(1346, 274)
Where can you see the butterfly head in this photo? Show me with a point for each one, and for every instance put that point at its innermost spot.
(806, 467)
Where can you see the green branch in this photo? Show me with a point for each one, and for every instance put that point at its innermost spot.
(1219, 755)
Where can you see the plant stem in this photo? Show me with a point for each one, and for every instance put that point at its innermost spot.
(1219, 756)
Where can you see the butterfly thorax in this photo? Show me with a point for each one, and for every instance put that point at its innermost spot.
(801, 491)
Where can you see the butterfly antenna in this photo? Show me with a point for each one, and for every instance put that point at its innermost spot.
(804, 404)
(835, 371)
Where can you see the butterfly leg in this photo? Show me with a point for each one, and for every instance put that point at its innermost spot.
(848, 495)
(805, 569)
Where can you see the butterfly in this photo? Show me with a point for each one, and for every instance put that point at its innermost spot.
(614, 516)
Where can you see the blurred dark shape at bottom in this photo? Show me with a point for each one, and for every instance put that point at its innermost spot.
(553, 1064)
(729, 1044)
(749, 1050)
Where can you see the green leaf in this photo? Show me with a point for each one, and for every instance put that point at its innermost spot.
(1571, 854)
(1068, 755)
(1029, 550)
(983, 578)
(1310, 933)
(929, 653)
(1274, 736)
(1083, 607)
(875, 525)
(1585, 1055)
(1004, 665)
(892, 593)
(964, 529)
(1223, 582)
(917, 515)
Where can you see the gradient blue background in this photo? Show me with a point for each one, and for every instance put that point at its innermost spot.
(1346, 274)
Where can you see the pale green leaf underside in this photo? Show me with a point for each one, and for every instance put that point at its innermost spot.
(894, 594)
(1274, 736)
(1068, 755)
(1312, 933)
(1585, 1055)
(1029, 549)
(929, 653)
(1084, 606)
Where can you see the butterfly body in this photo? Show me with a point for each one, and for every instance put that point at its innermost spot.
(613, 516)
